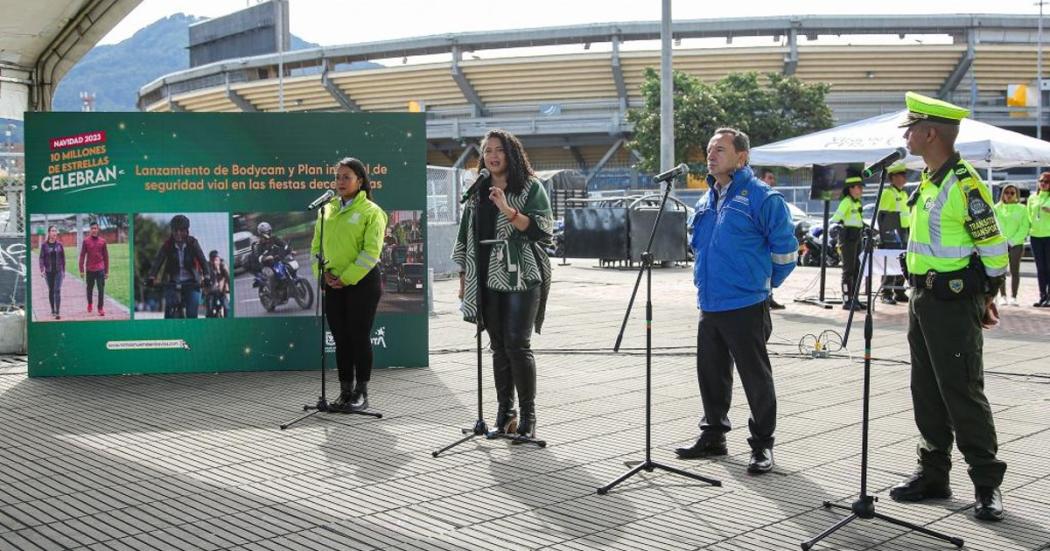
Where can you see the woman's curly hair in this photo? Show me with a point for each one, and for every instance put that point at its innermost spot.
(519, 171)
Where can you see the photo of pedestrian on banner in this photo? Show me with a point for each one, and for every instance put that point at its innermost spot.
(83, 261)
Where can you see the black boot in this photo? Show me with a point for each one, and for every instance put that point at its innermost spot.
(506, 418)
(527, 423)
(342, 403)
(359, 398)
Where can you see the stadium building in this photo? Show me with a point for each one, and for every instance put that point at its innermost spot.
(570, 107)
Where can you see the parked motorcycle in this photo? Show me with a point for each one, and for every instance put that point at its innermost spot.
(287, 285)
(812, 243)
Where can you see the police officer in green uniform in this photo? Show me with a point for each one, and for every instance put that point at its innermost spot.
(849, 215)
(956, 260)
(894, 222)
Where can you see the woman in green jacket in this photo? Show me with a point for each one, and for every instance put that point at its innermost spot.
(1039, 218)
(354, 230)
(1013, 223)
(512, 278)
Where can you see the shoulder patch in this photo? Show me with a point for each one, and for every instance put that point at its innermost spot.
(980, 219)
(962, 172)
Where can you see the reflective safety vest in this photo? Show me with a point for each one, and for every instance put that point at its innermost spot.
(353, 237)
(1039, 218)
(849, 213)
(895, 200)
(952, 219)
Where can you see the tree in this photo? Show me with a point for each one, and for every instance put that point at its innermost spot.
(697, 114)
(783, 108)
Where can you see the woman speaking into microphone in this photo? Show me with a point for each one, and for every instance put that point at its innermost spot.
(508, 271)
(353, 241)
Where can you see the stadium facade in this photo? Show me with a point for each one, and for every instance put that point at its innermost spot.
(570, 108)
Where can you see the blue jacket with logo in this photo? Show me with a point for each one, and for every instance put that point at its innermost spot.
(743, 246)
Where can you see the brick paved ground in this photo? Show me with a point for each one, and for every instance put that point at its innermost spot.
(74, 301)
(197, 461)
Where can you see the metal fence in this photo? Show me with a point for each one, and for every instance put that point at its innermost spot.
(443, 185)
(443, 213)
(13, 254)
(12, 206)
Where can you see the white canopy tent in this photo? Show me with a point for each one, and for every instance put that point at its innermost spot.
(868, 140)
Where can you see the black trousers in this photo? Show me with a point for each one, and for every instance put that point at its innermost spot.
(351, 312)
(947, 387)
(96, 277)
(850, 244)
(509, 318)
(54, 290)
(737, 336)
(1041, 252)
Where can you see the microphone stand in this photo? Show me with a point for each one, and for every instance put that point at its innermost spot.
(322, 402)
(481, 428)
(648, 465)
(864, 506)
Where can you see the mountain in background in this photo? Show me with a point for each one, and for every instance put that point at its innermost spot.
(115, 72)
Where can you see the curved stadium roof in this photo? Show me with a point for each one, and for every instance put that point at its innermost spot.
(570, 108)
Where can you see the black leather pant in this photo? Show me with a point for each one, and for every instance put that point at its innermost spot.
(509, 318)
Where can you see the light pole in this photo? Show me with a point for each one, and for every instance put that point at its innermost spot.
(1039, 74)
(666, 91)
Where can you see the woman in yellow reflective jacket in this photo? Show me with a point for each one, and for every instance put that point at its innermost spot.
(354, 229)
(1013, 223)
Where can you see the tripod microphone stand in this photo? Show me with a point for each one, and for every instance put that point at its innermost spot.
(648, 465)
(481, 428)
(864, 506)
(322, 401)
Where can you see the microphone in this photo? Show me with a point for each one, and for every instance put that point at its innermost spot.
(673, 173)
(483, 174)
(884, 162)
(321, 200)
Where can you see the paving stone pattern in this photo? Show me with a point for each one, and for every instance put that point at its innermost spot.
(198, 462)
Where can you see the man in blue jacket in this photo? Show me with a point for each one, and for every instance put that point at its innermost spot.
(744, 245)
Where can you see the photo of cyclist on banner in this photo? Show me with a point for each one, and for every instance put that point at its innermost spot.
(173, 276)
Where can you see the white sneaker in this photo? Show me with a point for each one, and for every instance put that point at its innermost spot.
(1013, 301)
(1000, 300)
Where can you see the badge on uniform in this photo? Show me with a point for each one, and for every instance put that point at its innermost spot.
(980, 221)
(956, 285)
(355, 217)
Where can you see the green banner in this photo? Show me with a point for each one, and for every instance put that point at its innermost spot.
(105, 193)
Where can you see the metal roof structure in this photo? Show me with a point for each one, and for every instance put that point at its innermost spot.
(41, 41)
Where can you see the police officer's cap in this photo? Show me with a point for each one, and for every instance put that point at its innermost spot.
(923, 108)
(851, 180)
(897, 168)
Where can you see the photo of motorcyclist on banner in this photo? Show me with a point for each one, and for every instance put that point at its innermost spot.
(271, 252)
